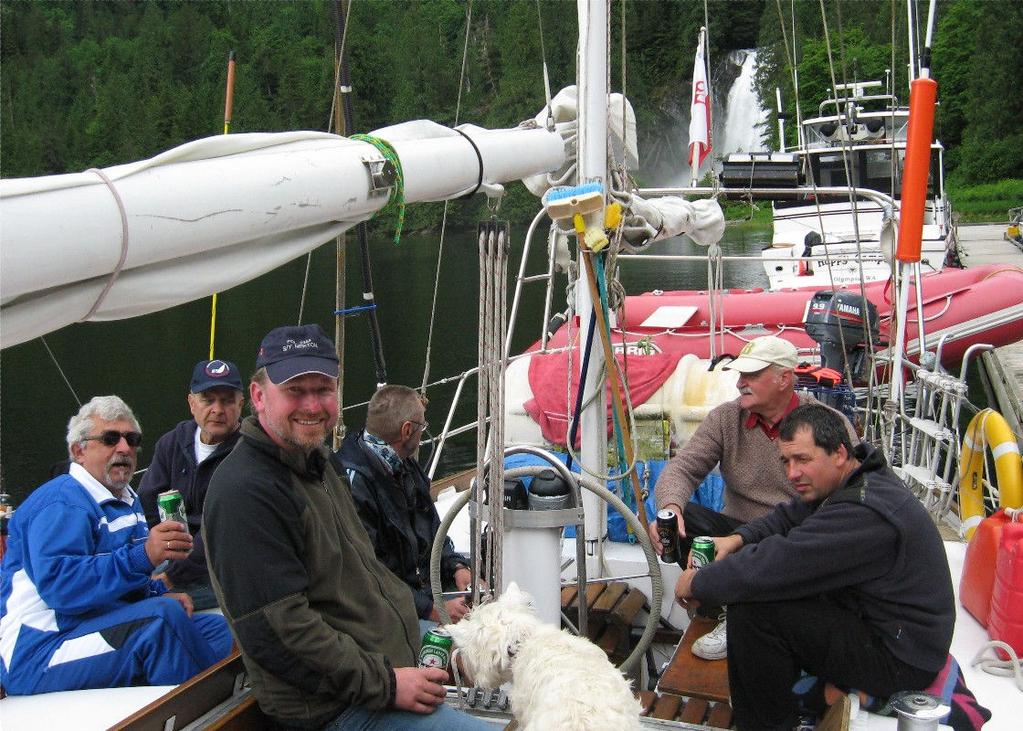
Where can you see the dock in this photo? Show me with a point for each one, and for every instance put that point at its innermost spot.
(1002, 368)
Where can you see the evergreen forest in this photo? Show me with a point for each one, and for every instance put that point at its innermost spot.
(90, 83)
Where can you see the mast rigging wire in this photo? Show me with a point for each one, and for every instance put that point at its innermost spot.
(444, 218)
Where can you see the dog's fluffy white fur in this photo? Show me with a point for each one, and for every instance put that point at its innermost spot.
(559, 681)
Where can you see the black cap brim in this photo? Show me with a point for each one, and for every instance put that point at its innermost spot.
(283, 371)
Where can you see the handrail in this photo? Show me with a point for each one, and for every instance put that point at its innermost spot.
(877, 196)
(868, 98)
(446, 430)
(523, 279)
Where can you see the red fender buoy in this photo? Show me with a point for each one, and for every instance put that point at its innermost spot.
(922, 95)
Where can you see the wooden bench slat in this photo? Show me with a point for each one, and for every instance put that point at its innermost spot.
(593, 591)
(568, 596)
(647, 698)
(695, 710)
(720, 716)
(624, 614)
(692, 676)
(610, 640)
(610, 597)
(837, 716)
(666, 707)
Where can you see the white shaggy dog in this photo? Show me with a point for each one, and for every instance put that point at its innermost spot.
(559, 681)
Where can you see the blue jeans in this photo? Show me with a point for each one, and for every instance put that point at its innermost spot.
(445, 718)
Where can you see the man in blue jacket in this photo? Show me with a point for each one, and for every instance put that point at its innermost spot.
(185, 459)
(848, 581)
(392, 494)
(78, 607)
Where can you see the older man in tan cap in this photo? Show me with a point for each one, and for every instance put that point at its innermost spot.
(742, 436)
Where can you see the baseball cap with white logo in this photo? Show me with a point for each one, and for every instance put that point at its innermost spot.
(762, 352)
(295, 350)
(209, 374)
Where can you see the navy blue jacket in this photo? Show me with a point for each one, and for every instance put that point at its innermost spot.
(870, 547)
(174, 468)
(399, 516)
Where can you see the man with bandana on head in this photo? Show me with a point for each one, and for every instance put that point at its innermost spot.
(78, 606)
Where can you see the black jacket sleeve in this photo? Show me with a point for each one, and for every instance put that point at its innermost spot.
(156, 478)
(192, 568)
(373, 522)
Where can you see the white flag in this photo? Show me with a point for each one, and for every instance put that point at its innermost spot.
(699, 110)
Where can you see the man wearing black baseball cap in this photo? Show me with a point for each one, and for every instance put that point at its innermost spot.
(184, 460)
(329, 635)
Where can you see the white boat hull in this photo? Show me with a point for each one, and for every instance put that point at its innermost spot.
(842, 261)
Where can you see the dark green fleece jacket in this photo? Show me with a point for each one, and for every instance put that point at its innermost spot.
(320, 621)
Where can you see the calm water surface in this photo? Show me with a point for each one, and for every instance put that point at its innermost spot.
(148, 360)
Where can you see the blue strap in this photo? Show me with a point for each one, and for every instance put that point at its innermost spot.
(353, 310)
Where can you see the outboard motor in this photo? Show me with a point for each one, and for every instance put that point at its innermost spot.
(838, 321)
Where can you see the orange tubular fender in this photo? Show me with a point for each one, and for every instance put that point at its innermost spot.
(988, 429)
(922, 95)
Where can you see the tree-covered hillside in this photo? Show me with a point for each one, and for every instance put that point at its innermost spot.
(96, 83)
(976, 62)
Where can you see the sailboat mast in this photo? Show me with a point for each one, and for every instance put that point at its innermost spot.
(592, 168)
(910, 27)
(922, 99)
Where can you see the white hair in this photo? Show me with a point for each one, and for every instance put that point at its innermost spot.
(107, 408)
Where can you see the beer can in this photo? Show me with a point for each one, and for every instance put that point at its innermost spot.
(436, 649)
(171, 506)
(702, 551)
(667, 533)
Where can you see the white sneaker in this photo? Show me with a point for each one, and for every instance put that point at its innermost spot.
(714, 644)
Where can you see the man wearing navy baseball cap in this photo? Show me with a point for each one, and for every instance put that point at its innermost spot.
(184, 460)
(292, 351)
(329, 635)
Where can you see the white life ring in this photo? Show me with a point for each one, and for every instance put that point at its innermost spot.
(988, 428)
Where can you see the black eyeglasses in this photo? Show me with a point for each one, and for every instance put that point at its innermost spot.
(111, 438)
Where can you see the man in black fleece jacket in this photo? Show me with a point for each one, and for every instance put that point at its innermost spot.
(329, 636)
(847, 582)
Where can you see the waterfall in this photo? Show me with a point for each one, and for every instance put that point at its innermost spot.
(745, 114)
(739, 118)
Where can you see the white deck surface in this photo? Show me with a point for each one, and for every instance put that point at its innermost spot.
(79, 709)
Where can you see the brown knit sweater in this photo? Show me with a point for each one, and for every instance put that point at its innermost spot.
(754, 479)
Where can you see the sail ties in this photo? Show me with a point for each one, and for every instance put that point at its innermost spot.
(398, 190)
(124, 243)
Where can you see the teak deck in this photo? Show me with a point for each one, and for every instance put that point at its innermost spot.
(689, 675)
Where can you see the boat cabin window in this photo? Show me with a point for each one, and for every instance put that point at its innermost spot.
(870, 168)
